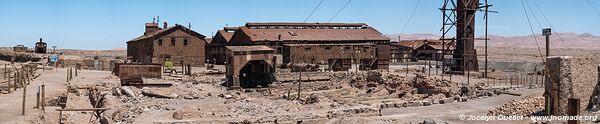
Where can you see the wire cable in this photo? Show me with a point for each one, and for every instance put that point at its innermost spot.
(313, 11)
(338, 12)
(531, 27)
(533, 14)
(596, 10)
(410, 17)
(551, 26)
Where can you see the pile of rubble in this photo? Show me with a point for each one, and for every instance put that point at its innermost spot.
(525, 107)
(403, 87)
(19, 57)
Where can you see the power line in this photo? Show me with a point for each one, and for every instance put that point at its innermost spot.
(537, 20)
(339, 11)
(596, 10)
(551, 26)
(313, 11)
(531, 27)
(533, 14)
(410, 17)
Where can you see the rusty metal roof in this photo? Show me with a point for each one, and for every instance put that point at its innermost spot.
(151, 24)
(312, 32)
(250, 24)
(414, 44)
(166, 31)
(249, 48)
(339, 44)
(227, 35)
(230, 28)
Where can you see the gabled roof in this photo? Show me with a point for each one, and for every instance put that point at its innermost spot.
(311, 32)
(414, 44)
(166, 31)
(227, 35)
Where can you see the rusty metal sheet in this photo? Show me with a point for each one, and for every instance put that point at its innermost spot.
(133, 71)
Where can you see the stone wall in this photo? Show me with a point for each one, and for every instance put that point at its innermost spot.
(559, 83)
(577, 78)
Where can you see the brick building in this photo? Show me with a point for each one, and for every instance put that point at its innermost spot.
(311, 41)
(178, 43)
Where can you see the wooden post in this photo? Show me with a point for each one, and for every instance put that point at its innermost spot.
(9, 84)
(67, 75)
(43, 97)
(76, 72)
(289, 93)
(37, 97)
(189, 69)
(573, 110)
(511, 81)
(428, 67)
(23, 105)
(70, 73)
(300, 83)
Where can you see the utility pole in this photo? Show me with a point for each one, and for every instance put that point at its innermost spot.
(547, 32)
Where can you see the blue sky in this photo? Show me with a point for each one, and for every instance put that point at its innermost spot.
(107, 24)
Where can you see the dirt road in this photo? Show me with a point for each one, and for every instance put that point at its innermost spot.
(450, 112)
(55, 81)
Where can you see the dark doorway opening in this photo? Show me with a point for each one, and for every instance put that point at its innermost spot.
(255, 73)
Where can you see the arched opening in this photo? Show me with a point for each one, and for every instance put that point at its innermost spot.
(255, 73)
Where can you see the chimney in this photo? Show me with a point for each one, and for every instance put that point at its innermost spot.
(151, 28)
(40, 40)
(165, 26)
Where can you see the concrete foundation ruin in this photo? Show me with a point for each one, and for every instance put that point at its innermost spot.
(249, 66)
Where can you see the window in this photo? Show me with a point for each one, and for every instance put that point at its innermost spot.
(185, 42)
(306, 49)
(160, 42)
(172, 41)
(327, 48)
(346, 48)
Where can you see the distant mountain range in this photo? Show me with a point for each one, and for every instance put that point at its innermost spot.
(557, 40)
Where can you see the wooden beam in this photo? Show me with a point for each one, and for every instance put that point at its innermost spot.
(87, 109)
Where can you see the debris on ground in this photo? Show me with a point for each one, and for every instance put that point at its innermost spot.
(520, 107)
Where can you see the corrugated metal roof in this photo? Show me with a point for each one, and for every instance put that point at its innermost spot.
(414, 44)
(249, 24)
(249, 48)
(227, 35)
(344, 44)
(363, 33)
(167, 30)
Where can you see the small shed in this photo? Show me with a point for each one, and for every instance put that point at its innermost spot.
(249, 66)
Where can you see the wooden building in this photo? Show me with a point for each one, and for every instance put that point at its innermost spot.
(215, 50)
(401, 53)
(421, 50)
(300, 38)
(20, 48)
(177, 43)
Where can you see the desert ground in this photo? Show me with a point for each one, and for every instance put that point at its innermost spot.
(402, 94)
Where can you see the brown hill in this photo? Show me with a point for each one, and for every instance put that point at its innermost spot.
(557, 40)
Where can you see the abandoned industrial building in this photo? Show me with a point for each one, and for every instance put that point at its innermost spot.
(215, 50)
(332, 44)
(178, 43)
(413, 50)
